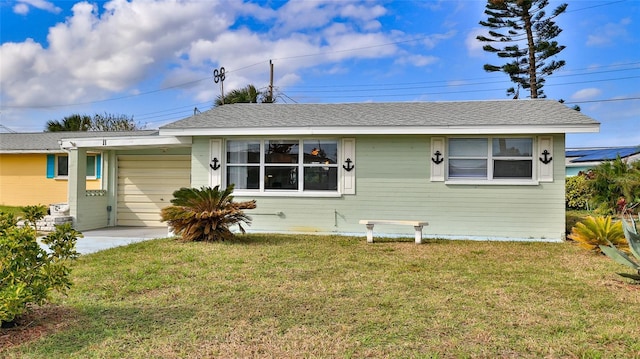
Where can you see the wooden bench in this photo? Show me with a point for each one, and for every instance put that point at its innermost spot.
(417, 225)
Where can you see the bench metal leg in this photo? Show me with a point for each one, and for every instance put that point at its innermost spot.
(369, 233)
(418, 234)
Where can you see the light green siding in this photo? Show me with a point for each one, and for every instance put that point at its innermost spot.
(94, 212)
(200, 161)
(393, 182)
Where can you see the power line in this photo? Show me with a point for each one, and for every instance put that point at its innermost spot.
(111, 99)
(383, 89)
(6, 128)
(466, 81)
(594, 6)
(603, 100)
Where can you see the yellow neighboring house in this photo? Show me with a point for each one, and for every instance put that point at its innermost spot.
(34, 169)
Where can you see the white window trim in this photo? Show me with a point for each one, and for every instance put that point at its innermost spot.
(300, 192)
(490, 181)
(56, 176)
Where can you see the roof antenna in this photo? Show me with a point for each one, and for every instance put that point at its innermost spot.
(218, 76)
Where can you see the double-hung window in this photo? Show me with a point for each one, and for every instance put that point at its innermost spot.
(493, 158)
(279, 165)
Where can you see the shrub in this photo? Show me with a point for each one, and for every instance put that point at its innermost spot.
(614, 184)
(32, 214)
(577, 192)
(595, 231)
(206, 214)
(7, 222)
(28, 273)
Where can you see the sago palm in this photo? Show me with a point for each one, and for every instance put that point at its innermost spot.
(205, 214)
(593, 232)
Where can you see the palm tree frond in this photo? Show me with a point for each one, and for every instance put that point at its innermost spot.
(205, 214)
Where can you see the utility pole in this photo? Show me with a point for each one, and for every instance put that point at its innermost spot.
(271, 83)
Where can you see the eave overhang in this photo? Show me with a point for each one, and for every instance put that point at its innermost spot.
(15, 152)
(395, 130)
(129, 142)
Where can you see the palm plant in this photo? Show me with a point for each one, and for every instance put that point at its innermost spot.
(70, 123)
(615, 181)
(248, 94)
(594, 232)
(205, 214)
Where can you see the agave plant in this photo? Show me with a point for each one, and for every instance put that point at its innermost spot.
(205, 214)
(633, 238)
(593, 232)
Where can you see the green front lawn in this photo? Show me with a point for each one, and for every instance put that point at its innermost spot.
(11, 209)
(280, 296)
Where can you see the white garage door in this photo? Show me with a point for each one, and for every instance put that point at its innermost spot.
(146, 185)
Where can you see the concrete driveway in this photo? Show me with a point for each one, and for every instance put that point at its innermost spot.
(99, 239)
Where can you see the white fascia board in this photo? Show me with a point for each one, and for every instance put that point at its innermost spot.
(128, 141)
(395, 130)
(31, 151)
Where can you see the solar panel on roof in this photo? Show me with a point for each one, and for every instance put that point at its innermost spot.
(604, 154)
(579, 153)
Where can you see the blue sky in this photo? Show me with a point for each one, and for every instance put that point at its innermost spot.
(154, 60)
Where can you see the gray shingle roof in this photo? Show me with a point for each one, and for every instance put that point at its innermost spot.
(48, 141)
(396, 114)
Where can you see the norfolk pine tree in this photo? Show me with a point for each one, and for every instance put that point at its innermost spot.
(527, 43)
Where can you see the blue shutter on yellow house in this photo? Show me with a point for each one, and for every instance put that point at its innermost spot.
(98, 166)
(51, 166)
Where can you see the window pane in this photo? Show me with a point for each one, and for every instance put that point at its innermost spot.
(243, 152)
(512, 147)
(244, 177)
(316, 151)
(321, 178)
(512, 169)
(63, 166)
(281, 177)
(467, 168)
(91, 166)
(281, 151)
(468, 147)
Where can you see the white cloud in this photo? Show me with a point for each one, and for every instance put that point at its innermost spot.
(315, 15)
(609, 33)
(432, 41)
(22, 7)
(586, 94)
(417, 60)
(474, 46)
(96, 53)
(91, 55)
